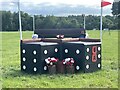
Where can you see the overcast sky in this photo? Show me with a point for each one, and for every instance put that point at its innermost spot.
(57, 7)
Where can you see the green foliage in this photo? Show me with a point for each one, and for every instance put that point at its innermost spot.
(10, 21)
(115, 8)
(116, 12)
(6, 20)
(12, 77)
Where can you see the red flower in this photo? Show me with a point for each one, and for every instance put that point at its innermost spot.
(72, 61)
(51, 61)
(68, 61)
(55, 60)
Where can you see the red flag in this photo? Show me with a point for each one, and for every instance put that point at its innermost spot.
(105, 3)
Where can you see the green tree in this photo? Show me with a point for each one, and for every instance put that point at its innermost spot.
(10, 21)
(6, 20)
(92, 22)
(115, 8)
(107, 23)
(39, 19)
(50, 22)
(26, 21)
(15, 21)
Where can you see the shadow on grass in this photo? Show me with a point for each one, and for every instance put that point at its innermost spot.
(14, 73)
(18, 73)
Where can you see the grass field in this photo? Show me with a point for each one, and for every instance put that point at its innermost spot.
(12, 77)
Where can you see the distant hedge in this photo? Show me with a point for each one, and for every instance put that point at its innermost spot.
(10, 21)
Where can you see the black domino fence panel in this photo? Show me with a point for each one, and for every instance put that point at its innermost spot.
(48, 51)
(92, 58)
(51, 33)
(75, 51)
(30, 58)
(33, 56)
(86, 58)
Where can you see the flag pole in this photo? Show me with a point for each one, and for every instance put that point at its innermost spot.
(101, 23)
(103, 3)
(33, 23)
(20, 27)
(84, 22)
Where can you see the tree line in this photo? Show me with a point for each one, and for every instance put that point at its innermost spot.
(10, 21)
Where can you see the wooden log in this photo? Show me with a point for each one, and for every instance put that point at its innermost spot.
(69, 40)
(31, 40)
(59, 40)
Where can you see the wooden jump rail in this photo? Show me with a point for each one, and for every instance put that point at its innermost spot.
(31, 40)
(60, 40)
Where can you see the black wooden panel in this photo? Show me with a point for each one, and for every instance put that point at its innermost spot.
(92, 66)
(34, 57)
(75, 51)
(80, 58)
(51, 33)
(30, 56)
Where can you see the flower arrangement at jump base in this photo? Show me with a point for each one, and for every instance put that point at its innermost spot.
(51, 64)
(69, 64)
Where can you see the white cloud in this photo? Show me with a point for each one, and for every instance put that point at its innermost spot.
(72, 2)
(116, 0)
(56, 2)
(57, 6)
